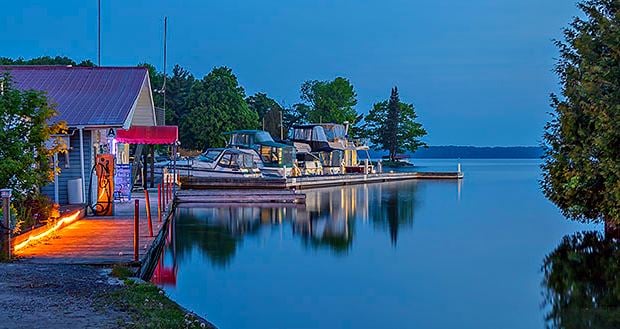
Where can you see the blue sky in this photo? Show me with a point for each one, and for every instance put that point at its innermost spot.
(479, 72)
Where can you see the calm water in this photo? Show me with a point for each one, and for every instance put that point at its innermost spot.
(425, 254)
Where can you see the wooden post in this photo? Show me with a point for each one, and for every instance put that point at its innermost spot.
(152, 166)
(148, 212)
(159, 202)
(169, 190)
(145, 168)
(5, 232)
(164, 194)
(136, 231)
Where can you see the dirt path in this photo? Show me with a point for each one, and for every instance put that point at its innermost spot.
(56, 296)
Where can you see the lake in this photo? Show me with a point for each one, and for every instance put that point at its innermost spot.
(423, 254)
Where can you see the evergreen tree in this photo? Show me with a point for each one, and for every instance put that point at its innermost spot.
(268, 111)
(177, 90)
(582, 140)
(216, 105)
(392, 126)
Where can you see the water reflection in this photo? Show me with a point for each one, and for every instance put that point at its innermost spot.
(582, 282)
(326, 222)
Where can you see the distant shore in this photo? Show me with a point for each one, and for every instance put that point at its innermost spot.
(471, 152)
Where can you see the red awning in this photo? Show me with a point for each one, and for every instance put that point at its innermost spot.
(148, 135)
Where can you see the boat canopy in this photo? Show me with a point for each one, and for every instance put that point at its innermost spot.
(271, 152)
(248, 138)
(251, 138)
(236, 159)
(313, 135)
(334, 131)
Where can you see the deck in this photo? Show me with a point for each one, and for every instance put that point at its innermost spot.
(99, 240)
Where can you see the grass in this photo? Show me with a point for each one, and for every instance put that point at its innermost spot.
(148, 306)
(121, 272)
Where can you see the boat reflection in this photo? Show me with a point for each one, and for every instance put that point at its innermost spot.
(581, 285)
(326, 222)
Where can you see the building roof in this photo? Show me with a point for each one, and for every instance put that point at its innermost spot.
(85, 96)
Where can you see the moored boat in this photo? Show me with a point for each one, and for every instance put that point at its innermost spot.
(220, 162)
(271, 157)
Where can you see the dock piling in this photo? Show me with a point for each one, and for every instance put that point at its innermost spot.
(164, 194)
(159, 202)
(148, 212)
(136, 231)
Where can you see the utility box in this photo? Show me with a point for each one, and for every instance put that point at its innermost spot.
(74, 191)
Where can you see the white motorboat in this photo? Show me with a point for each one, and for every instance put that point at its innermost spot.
(220, 162)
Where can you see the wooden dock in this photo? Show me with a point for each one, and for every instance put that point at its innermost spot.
(352, 179)
(101, 240)
(228, 196)
(305, 182)
(92, 241)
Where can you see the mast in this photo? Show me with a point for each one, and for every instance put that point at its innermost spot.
(98, 32)
(165, 58)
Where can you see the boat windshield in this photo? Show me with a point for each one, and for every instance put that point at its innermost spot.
(315, 133)
(209, 155)
(248, 139)
(334, 132)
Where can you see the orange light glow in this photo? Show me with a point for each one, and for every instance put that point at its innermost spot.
(63, 221)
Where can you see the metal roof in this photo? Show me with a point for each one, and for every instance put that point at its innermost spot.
(84, 96)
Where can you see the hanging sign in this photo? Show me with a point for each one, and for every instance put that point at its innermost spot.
(111, 133)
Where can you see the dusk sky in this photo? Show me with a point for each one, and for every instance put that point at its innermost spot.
(479, 72)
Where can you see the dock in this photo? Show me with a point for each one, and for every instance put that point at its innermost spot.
(352, 179)
(227, 196)
(101, 240)
(305, 182)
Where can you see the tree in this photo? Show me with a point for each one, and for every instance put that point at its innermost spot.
(392, 126)
(268, 111)
(330, 101)
(216, 104)
(581, 169)
(177, 90)
(45, 60)
(25, 151)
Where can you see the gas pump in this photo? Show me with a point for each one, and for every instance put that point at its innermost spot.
(104, 169)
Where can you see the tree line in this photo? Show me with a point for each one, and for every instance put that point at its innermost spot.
(204, 108)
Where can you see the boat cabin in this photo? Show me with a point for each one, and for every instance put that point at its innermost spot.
(271, 153)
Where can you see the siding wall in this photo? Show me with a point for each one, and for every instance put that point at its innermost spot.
(144, 112)
(75, 170)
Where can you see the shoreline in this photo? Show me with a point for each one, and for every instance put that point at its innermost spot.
(82, 296)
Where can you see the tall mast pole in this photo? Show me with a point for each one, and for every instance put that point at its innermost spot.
(165, 55)
(98, 32)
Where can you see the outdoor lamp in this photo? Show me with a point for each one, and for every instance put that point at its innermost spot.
(5, 193)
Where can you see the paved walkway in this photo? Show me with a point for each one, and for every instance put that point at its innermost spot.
(97, 240)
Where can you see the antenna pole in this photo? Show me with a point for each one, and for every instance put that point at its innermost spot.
(98, 32)
(165, 55)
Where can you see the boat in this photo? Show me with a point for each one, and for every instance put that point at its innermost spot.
(330, 143)
(272, 158)
(220, 162)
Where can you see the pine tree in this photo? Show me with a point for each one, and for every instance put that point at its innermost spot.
(582, 141)
(392, 126)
